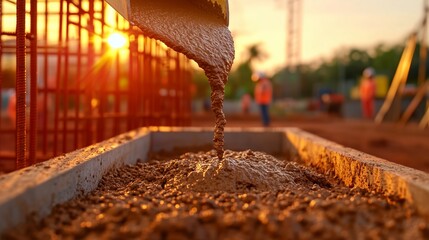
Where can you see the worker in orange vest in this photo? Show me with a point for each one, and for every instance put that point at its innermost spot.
(367, 93)
(263, 96)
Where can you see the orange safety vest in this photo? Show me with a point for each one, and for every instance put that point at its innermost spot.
(367, 89)
(263, 92)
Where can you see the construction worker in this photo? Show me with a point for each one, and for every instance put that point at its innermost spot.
(263, 96)
(367, 93)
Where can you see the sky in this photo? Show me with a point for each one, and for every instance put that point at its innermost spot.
(327, 26)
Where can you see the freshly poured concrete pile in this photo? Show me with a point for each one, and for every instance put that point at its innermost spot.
(37, 189)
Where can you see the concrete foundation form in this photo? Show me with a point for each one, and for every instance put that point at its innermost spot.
(35, 190)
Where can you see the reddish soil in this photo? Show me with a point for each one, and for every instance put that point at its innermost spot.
(407, 145)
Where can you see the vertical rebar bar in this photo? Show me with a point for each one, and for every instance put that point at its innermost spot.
(157, 101)
(66, 79)
(20, 86)
(78, 80)
(170, 85)
(139, 86)
(151, 80)
(1, 56)
(178, 88)
(185, 88)
(89, 84)
(45, 82)
(117, 91)
(188, 97)
(58, 78)
(130, 107)
(102, 94)
(33, 84)
(145, 90)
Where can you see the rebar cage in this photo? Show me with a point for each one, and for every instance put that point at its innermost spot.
(64, 87)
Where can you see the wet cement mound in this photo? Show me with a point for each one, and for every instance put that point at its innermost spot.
(144, 202)
(238, 171)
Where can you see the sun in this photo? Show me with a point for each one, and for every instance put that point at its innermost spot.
(116, 40)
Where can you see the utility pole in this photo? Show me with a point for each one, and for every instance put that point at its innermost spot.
(293, 33)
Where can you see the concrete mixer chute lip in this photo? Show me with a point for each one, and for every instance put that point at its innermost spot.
(225, 8)
(123, 7)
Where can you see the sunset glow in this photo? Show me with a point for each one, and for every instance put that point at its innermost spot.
(117, 40)
(327, 27)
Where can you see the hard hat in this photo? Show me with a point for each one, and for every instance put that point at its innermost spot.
(256, 76)
(369, 72)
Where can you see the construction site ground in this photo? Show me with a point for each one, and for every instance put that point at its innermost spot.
(403, 144)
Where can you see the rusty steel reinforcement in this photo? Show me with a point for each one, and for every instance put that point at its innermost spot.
(20, 86)
(81, 91)
(33, 84)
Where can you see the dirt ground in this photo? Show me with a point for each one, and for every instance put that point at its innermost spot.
(407, 145)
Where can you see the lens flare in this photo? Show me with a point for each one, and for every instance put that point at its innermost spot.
(117, 40)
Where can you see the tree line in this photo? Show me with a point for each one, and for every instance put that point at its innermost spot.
(305, 80)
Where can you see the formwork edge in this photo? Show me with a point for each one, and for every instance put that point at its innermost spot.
(35, 190)
(358, 169)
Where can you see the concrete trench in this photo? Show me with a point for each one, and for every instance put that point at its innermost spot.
(35, 190)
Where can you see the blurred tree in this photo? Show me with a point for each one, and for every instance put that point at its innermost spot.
(240, 80)
(347, 65)
(286, 83)
(357, 60)
(414, 68)
(386, 59)
(202, 86)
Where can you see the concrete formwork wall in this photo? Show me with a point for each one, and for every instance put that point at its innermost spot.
(35, 190)
(235, 139)
(358, 169)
